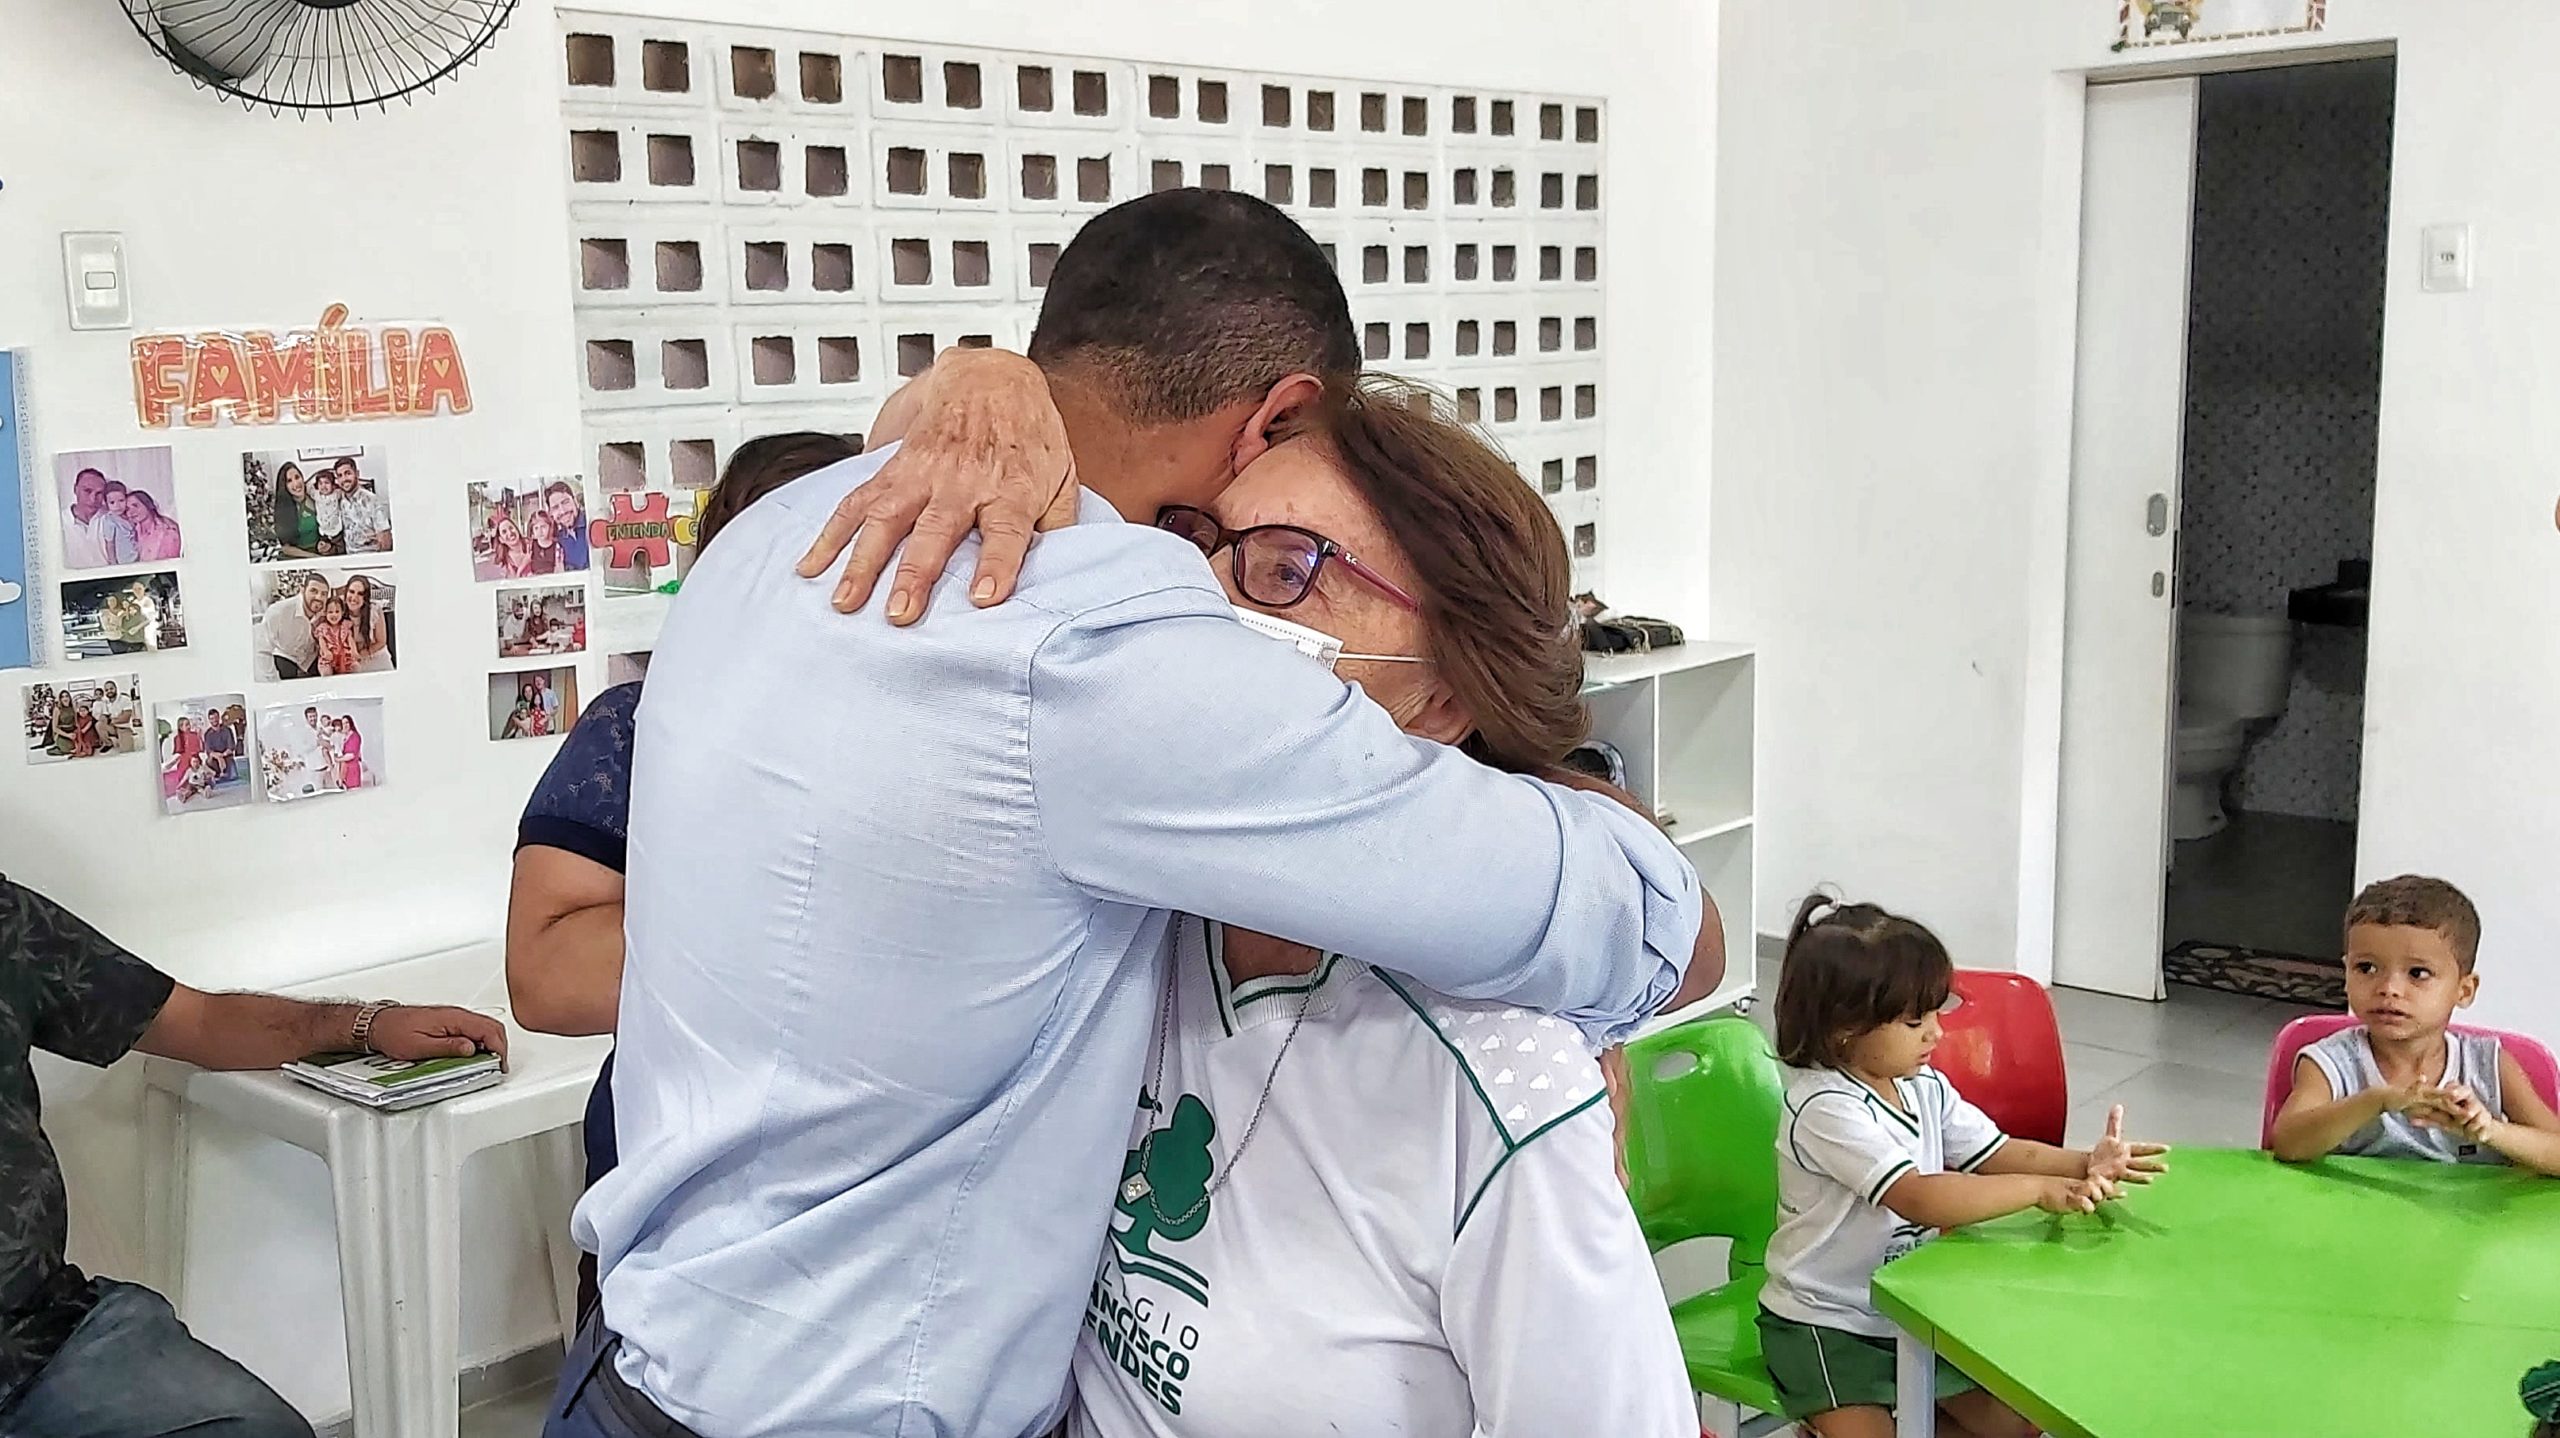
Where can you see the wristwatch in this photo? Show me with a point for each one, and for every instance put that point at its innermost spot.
(363, 1032)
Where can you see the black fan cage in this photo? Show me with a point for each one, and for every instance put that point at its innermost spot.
(318, 56)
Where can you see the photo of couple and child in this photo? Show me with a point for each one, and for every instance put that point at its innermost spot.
(126, 615)
(520, 533)
(312, 504)
(119, 506)
(84, 719)
(534, 704)
(305, 750)
(319, 623)
(204, 753)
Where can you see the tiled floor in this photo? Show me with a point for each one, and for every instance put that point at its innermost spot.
(2191, 1070)
(516, 1416)
(2269, 881)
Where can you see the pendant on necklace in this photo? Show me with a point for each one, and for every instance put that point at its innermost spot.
(1136, 1188)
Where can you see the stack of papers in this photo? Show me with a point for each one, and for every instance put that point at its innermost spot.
(388, 1084)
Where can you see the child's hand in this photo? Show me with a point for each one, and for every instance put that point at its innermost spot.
(2404, 1097)
(2426, 1105)
(2118, 1161)
(2076, 1195)
(2465, 1114)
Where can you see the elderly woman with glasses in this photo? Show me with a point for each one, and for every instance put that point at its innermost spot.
(1350, 1204)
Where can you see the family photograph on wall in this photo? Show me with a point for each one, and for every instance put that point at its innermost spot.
(533, 703)
(204, 746)
(528, 530)
(84, 718)
(129, 614)
(320, 746)
(534, 622)
(118, 506)
(316, 503)
(321, 623)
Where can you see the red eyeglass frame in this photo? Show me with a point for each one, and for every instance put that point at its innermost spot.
(1326, 550)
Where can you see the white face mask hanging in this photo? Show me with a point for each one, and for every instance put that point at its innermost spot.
(1313, 643)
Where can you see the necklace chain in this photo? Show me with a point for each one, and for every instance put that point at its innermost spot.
(1144, 1191)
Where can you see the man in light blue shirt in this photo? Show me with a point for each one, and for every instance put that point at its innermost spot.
(898, 899)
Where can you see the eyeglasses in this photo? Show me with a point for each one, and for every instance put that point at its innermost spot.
(1275, 564)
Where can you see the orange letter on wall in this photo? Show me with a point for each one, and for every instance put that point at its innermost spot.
(279, 376)
(157, 359)
(440, 376)
(217, 380)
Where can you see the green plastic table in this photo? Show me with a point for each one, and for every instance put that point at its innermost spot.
(2240, 1295)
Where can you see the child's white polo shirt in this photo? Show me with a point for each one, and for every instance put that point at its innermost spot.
(1839, 1148)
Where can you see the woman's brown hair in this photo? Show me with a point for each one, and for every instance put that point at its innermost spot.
(1850, 968)
(758, 468)
(1495, 586)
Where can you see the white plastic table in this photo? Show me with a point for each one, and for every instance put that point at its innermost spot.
(396, 1180)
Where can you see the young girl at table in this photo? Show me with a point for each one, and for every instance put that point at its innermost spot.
(1876, 1153)
(2400, 1083)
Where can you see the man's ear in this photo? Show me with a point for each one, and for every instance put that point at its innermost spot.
(1287, 406)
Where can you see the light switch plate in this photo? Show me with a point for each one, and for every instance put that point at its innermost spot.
(94, 279)
(2444, 265)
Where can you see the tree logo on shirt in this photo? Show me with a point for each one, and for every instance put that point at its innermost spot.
(1164, 1193)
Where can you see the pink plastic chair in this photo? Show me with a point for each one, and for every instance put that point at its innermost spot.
(2536, 1061)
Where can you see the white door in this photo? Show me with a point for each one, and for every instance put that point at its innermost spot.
(2120, 625)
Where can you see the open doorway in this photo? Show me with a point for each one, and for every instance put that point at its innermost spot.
(2275, 534)
(2234, 240)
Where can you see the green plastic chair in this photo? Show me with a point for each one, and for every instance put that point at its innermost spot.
(1702, 1162)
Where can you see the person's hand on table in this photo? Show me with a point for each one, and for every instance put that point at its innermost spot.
(2076, 1195)
(403, 1032)
(2120, 1161)
(981, 449)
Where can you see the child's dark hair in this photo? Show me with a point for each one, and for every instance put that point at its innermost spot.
(758, 468)
(1851, 968)
(2412, 901)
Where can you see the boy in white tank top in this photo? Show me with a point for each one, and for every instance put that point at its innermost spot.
(2401, 1083)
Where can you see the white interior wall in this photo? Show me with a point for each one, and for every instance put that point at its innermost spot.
(451, 210)
(1893, 311)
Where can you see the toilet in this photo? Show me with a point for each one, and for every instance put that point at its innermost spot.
(2234, 674)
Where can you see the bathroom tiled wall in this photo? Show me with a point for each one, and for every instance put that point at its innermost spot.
(2284, 354)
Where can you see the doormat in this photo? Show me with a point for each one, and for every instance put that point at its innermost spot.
(2259, 973)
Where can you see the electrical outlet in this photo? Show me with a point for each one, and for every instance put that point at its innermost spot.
(2445, 265)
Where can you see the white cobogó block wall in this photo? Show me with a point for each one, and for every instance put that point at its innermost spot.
(773, 228)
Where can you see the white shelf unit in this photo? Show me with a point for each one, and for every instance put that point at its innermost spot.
(1681, 718)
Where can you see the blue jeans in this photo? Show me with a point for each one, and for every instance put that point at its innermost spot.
(131, 1370)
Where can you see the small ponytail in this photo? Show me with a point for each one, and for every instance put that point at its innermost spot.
(1809, 913)
(1850, 968)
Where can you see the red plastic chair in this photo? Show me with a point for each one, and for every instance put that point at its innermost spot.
(2539, 1067)
(2002, 1050)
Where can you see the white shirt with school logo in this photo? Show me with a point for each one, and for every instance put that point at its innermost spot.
(1839, 1148)
(1425, 1235)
